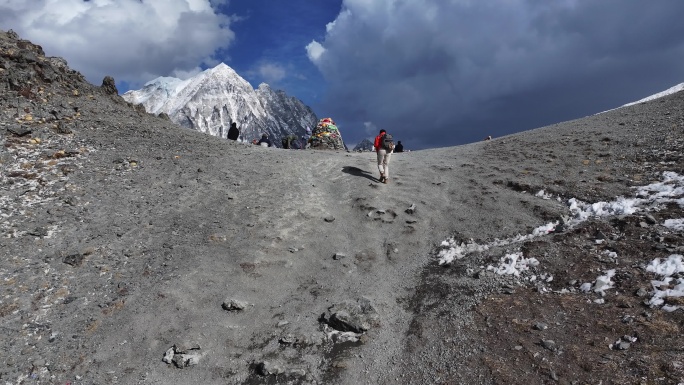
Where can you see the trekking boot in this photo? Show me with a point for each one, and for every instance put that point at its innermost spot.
(384, 180)
(382, 177)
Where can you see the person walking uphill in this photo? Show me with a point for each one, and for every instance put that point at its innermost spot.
(233, 132)
(384, 145)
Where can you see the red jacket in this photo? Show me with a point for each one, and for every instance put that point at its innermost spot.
(378, 142)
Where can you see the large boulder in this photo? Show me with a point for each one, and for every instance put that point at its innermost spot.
(326, 136)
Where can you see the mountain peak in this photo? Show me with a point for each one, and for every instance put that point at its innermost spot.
(209, 101)
(222, 68)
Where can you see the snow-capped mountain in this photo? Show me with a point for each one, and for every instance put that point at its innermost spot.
(364, 145)
(210, 101)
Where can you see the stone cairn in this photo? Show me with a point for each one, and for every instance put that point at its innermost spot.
(326, 136)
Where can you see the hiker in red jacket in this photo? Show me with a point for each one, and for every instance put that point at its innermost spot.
(384, 155)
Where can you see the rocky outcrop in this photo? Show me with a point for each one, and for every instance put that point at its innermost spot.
(109, 86)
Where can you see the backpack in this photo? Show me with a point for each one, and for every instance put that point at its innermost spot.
(388, 142)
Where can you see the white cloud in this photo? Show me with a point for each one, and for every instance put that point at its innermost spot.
(370, 129)
(131, 40)
(271, 72)
(315, 50)
(186, 74)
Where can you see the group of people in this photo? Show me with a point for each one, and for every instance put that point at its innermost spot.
(234, 134)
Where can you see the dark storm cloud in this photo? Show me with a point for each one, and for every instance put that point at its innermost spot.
(447, 72)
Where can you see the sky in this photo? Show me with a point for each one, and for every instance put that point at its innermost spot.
(433, 73)
(646, 198)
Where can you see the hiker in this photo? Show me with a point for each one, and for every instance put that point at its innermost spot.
(288, 141)
(233, 132)
(306, 138)
(383, 147)
(264, 141)
(399, 147)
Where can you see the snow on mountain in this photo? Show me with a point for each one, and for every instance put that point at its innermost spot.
(364, 145)
(672, 90)
(669, 91)
(210, 101)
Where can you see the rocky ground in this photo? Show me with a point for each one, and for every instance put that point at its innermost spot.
(135, 252)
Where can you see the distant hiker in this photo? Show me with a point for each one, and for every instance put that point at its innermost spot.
(233, 132)
(288, 141)
(489, 137)
(384, 145)
(264, 141)
(399, 147)
(306, 137)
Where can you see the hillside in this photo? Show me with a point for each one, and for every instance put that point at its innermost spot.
(137, 252)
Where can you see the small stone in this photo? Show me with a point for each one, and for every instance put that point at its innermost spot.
(623, 345)
(339, 256)
(74, 259)
(287, 340)
(641, 292)
(267, 368)
(518, 347)
(168, 355)
(329, 219)
(541, 326)
(549, 344)
(554, 376)
(39, 363)
(411, 209)
(186, 347)
(39, 232)
(19, 131)
(234, 305)
(179, 360)
(650, 219)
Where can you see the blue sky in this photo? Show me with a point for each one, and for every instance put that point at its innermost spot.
(271, 40)
(433, 72)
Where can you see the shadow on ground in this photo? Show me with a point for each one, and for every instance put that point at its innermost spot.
(359, 172)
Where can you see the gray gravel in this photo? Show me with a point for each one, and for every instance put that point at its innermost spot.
(126, 239)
